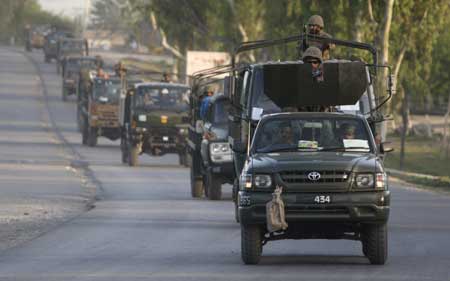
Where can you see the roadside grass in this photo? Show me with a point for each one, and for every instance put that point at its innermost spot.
(422, 156)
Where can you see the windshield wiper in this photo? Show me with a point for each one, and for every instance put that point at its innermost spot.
(285, 149)
(341, 148)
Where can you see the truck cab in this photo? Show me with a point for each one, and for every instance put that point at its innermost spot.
(154, 120)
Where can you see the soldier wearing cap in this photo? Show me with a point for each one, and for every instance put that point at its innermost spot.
(315, 28)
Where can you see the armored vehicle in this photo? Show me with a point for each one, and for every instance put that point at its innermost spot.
(299, 177)
(69, 47)
(100, 115)
(154, 120)
(51, 44)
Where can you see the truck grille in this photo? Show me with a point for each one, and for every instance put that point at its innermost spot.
(290, 177)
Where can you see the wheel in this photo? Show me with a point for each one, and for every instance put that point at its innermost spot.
(133, 154)
(375, 243)
(84, 132)
(92, 136)
(196, 185)
(64, 94)
(235, 199)
(124, 151)
(47, 59)
(251, 243)
(213, 186)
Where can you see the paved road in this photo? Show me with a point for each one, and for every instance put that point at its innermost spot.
(146, 227)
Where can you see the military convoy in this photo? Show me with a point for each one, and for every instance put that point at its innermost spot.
(154, 119)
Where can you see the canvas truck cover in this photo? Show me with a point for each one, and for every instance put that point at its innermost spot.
(292, 84)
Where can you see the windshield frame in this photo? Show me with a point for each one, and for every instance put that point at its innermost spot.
(95, 96)
(308, 115)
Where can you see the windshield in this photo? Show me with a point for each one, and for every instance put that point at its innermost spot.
(165, 98)
(87, 63)
(72, 45)
(107, 91)
(221, 109)
(316, 134)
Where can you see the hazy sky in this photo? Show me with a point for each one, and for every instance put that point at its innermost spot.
(67, 7)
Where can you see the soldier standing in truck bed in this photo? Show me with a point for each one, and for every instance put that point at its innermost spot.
(315, 28)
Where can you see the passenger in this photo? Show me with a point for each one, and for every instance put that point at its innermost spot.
(347, 131)
(101, 73)
(166, 78)
(315, 27)
(120, 69)
(286, 134)
(205, 102)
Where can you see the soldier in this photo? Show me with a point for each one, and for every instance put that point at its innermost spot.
(313, 55)
(315, 28)
(166, 78)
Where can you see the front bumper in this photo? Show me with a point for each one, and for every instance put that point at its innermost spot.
(225, 170)
(348, 207)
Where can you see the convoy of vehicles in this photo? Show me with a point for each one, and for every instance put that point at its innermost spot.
(153, 120)
(285, 140)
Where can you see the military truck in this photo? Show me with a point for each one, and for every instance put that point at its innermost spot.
(69, 47)
(322, 185)
(71, 73)
(50, 47)
(209, 153)
(154, 119)
(100, 115)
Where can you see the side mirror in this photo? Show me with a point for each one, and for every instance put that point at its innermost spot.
(391, 84)
(384, 149)
(257, 113)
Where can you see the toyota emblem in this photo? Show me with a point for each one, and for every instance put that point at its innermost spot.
(314, 176)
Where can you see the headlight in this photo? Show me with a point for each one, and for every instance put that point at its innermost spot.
(364, 180)
(142, 118)
(220, 152)
(263, 181)
(381, 180)
(182, 131)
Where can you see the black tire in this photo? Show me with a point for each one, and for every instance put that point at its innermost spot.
(251, 243)
(196, 185)
(235, 199)
(92, 136)
(124, 151)
(47, 59)
(375, 243)
(214, 186)
(64, 94)
(133, 155)
(84, 132)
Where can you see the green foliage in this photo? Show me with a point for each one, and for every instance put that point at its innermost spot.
(16, 14)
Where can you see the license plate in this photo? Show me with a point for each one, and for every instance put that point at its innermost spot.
(314, 199)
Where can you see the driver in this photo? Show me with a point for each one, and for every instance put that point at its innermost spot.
(286, 134)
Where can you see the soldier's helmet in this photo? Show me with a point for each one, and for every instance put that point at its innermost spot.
(316, 20)
(312, 52)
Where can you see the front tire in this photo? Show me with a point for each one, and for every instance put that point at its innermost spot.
(196, 184)
(64, 94)
(375, 243)
(214, 187)
(251, 243)
(133, 154)
(92, 137)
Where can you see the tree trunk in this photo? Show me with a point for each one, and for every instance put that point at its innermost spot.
(384, 52)
(405, 124)
(445, 138)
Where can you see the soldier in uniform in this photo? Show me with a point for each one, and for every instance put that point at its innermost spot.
(315, 28)
(313, 55)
